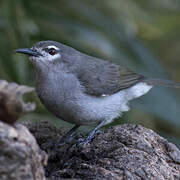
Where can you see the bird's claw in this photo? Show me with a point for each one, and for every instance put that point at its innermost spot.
(66, 140)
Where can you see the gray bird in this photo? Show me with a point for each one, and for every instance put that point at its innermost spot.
(82, 89)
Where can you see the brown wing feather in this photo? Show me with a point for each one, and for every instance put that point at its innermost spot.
(103, 77)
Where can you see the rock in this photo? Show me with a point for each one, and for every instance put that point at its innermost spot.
(121, 152)
(12, 105)
(20, 156)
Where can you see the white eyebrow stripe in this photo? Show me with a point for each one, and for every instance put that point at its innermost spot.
(49, 47)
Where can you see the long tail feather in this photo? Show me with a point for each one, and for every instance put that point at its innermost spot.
(162, 82)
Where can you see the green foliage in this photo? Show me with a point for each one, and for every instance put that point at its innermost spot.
(144, 35)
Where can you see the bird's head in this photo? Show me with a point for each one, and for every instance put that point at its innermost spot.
(51, 56)
(44, 51)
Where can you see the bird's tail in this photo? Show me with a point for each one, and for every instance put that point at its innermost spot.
(162, 82)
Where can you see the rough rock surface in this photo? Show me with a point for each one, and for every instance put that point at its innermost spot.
(12, 105)
(20, 156)
(121, 152)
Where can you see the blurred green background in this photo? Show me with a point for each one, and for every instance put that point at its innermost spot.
(144, 35)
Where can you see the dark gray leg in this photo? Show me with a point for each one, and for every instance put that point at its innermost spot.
(92, 133)
(69, 135)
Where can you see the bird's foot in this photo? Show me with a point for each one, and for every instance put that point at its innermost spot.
(91, 135)
(84, 141)
(68, 137)
(66, 140)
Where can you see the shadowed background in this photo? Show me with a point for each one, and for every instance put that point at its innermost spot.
(144, 35)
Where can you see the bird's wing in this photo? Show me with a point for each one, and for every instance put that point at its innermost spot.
(105, 78)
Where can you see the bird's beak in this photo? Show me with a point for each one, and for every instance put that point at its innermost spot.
(28, 51)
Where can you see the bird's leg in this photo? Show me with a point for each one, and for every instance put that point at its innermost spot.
(68, 136)
(92, 133)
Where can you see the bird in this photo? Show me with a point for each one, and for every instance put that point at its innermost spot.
(84, 90)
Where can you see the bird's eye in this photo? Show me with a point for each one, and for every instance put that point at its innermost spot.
(52, 51)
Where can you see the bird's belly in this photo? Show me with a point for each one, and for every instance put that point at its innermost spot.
(89, 110)
(61, 108)
(60, 97)
(97, 109)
